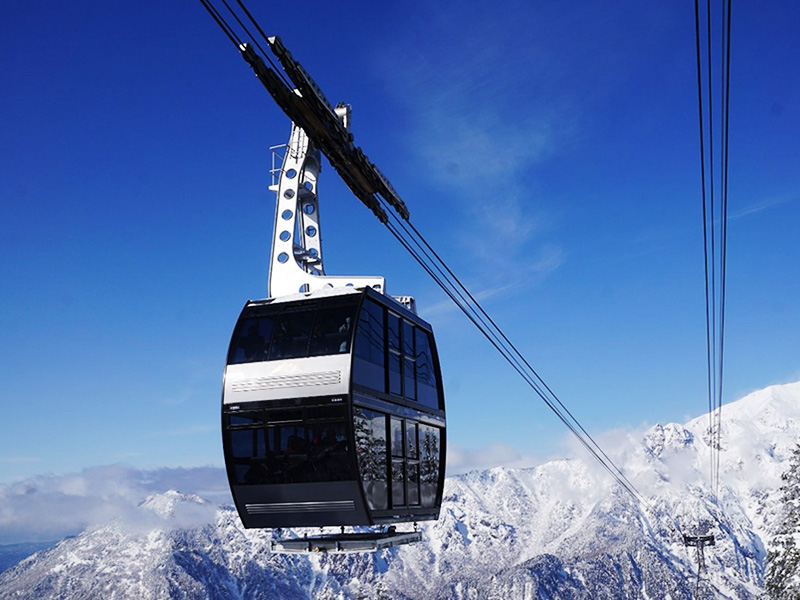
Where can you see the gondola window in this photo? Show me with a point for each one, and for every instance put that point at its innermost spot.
(370, 432)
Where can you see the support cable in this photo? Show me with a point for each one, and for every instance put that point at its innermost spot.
(709, 361)
(409, 237)
(237, 40)
(212, 10)
(724, 242)
(715, 212)
(536, 379)
(253, 39)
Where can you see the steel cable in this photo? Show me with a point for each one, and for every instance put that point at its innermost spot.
(419, 248)
(714, 240)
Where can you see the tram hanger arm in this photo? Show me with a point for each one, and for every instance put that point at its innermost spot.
(702, 540)
(312, 92)
(307, 107)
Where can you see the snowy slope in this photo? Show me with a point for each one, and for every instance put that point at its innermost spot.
(11, 554)
(560, 530)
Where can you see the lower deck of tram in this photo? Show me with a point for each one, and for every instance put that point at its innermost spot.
(321, 461)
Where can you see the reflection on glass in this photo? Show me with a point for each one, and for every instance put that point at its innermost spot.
(395, 374)
(409, 387)
(248, 442)
(394, 355)
(370, 434)
(429, 467)
(369, 362)
(292, 330)
(412, 472)
(245, 418)
(394, 332)
(408, 339)
(411, 439)
(331, 333)
(398, 483)
(281, 331)
(313, 450)
(252, 342)
(427, 392)
(397, 437)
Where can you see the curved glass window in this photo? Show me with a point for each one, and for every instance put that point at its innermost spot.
(247, 418)
(332, 331)
(411, 439)
(398, 483)
(412, 483)
(288, 330)
(370, 440)
(406, 462)
(369, 362)
(395, 355)
(291, 334)
(409, 358)
(289, 446)
(251, 341)
(429, 463)
(397, 437)
(427, 389)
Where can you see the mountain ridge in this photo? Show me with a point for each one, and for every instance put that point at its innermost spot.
(562, 529)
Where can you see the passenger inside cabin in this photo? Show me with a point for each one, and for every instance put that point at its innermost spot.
(253, 344)
(344, 330)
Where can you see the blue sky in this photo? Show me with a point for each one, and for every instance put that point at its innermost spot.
(549, 152)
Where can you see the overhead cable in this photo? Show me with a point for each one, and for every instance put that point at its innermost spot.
(378, 190)
(714, 180)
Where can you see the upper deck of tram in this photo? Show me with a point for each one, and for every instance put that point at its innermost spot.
(303, 345)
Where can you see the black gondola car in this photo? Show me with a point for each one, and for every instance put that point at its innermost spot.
(333, 412)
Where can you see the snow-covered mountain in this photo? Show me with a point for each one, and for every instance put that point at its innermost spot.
(560, 530)
(11, 554)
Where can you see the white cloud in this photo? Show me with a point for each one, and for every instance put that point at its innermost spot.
(549, 259)
(479, 160)
(478, 126)
(763, 205)
(462, 460)
(49, 507)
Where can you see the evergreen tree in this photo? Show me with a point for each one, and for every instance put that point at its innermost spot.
(782, 577)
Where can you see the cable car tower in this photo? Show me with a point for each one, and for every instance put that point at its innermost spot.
(333, 406)
(700, 542)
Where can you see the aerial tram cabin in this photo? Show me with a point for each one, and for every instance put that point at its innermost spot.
(332, 407)
(333, 412)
